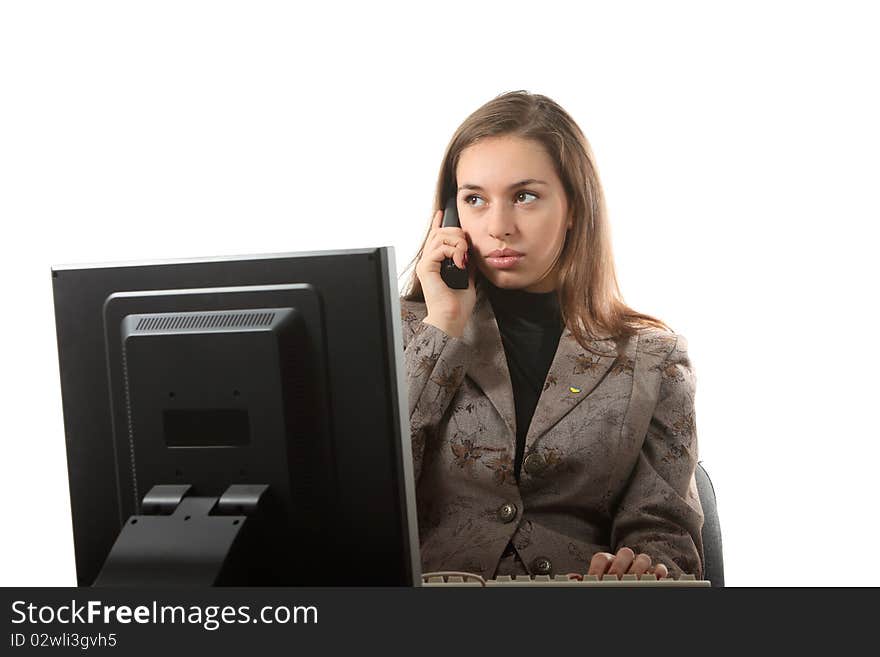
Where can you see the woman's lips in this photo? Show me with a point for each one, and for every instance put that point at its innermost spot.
(505, 262)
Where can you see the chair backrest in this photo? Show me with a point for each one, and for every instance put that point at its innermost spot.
(714, 566)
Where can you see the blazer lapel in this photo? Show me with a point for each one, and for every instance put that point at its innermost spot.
(489, 369)
(573, 374)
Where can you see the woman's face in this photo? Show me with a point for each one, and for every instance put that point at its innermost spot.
(498, 211)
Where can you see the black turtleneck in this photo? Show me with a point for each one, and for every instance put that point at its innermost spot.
(531, 325)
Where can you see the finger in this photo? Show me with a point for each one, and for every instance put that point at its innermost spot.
(459, 246)
(459, 258)
(451, 233)
(445, 251)
(658, 570)
(447, 238)
(622, 562)
(640, 564)
(432, 228)
(600, 562)
(433, 258)
(436, 221)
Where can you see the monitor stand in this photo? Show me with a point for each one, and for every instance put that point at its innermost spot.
(186, 540)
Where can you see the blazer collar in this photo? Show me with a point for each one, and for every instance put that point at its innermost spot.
(573, 373)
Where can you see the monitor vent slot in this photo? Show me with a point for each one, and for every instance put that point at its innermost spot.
(178, 321)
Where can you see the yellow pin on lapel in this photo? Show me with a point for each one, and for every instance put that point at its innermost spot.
(572, 389)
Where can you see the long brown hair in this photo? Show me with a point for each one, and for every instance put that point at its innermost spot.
(589, 296)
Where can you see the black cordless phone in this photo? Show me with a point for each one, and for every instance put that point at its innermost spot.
(454, 277)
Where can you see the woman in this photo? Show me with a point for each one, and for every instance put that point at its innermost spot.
(553, 426)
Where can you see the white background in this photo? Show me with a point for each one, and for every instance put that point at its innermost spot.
(737, 145)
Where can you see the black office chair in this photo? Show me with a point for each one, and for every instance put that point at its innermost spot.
(714, 566)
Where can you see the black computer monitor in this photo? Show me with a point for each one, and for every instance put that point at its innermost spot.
(238, 420)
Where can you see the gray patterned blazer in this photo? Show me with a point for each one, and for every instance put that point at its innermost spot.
(609, 458)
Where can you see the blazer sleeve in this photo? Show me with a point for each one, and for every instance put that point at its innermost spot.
(660, 512)
(435, 364)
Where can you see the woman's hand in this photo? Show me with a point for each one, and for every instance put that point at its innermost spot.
(448, 309)
(626, 562)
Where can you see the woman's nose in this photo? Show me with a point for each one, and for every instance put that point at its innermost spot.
(501, 221)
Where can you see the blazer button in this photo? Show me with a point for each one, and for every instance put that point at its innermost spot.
(534, 464)
(542, 566)
(507, 512)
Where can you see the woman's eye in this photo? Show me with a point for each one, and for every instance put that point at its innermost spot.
(467, 199)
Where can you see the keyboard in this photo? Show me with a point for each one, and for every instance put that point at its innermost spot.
(470, 579)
